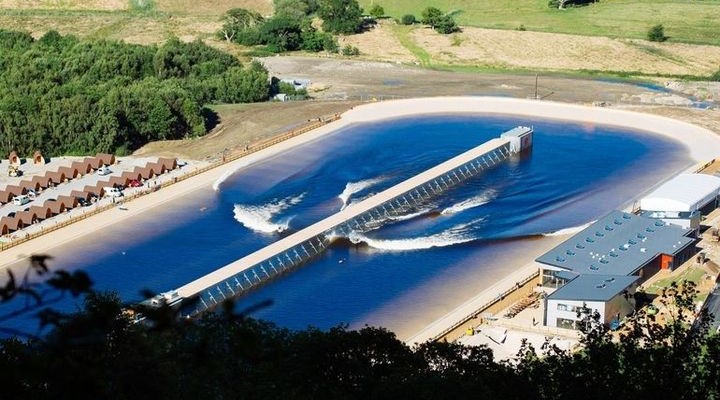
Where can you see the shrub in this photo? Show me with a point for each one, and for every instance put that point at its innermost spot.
(446, 25)
(330, 44)
(350, 51)
(407, 19)
(376, 11)
(715, 76)
(431, 16)
(657, 34)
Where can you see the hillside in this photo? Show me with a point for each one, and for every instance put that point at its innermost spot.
(518, 35)
(684, 20)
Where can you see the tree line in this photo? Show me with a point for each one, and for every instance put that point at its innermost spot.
(98, 352)
(291, 26)
(65, 95)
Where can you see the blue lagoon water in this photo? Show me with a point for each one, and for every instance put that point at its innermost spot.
(411, 270)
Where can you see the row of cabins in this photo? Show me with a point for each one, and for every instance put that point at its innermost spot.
(51, 208)
(52, 178)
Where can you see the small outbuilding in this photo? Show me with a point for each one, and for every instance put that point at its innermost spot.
(14, 159)
(42, 181)
(10, 224)
(16, 190)
(81, 194)
(683, 200)
(94, 162)
(42, 212)
(5, 196)
(106, 159)
(38, 158)
(56, 177)
(68, 201)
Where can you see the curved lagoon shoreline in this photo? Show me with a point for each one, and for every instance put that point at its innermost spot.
(698, 141)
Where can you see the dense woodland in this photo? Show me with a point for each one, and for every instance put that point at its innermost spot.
(64, 95)
(98, 353)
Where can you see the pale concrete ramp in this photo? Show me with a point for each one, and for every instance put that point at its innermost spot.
(254, 269)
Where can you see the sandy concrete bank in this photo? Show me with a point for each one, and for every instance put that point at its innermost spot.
(702, 144)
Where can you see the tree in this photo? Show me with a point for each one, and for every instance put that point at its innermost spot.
(64, 95)
(439, 21)
(657, 34)
(294, 9)
(237, 20)
(407, 19)
(431, 16)
(281, 34)
(446, 24)
(99, 352)
(376, 11)
(340, 16)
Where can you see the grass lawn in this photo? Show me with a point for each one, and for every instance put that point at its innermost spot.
(684, 20)
(693, 274)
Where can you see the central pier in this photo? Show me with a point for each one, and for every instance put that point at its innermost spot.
(245, 274)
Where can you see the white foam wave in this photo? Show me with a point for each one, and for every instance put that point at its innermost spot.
(472, 202)
(222, 178)
(452, 236)
(412, 215)
(354, 187)
(569, 231)
(259, 218)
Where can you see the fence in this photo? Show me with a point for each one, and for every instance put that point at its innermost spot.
(224, 160)
(500, 297)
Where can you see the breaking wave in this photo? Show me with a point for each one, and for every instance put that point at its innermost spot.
(569, 231)
(259, 218)
(472, 202)
(223, 178)
(354, 187)
(452, 236)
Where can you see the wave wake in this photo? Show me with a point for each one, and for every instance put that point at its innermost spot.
(472, 202)
(568, 231)
(259, 218)
(223, 178)
(354, 187)
(456, 235)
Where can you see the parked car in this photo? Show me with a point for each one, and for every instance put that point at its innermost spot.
(21, 199)
(31, 194)
(82, 202)
(113, 192)
(135, 183)
(104, 171)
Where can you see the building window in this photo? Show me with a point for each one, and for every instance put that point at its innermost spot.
(565, 323)
(563, 307)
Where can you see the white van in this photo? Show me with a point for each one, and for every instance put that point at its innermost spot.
(104, 170)
(21, 199)
(113, 192)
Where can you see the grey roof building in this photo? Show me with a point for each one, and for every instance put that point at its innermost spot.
(593, 287)
(617, 244)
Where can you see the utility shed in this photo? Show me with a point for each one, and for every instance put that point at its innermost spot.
(683, 193)
(609, 295)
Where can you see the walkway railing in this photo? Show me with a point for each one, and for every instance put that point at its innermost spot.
(500, 297)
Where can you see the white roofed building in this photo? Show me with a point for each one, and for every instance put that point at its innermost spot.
(682, 200)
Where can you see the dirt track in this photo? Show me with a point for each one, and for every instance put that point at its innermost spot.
(340, 84)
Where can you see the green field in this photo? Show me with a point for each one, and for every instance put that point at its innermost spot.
(684, 20)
